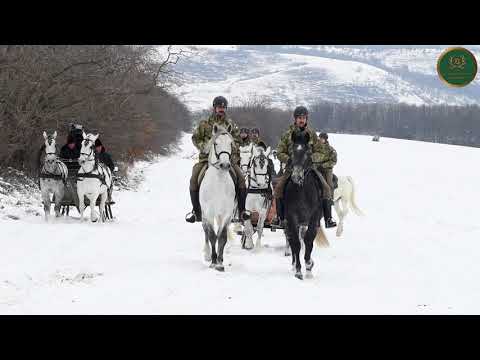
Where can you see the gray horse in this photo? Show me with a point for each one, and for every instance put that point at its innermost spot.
(52, 176)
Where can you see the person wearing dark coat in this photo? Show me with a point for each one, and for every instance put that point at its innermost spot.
(70, 150)
(103, 156)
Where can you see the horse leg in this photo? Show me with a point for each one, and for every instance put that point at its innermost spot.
(93, 200)
(260, 224)
(58, 201)
(248, 232)
(210, 235)
(103, 200)
(207, 253)
(81, 204)
(288, 249)
(308, 239)
(222, 240)
(294, 240)
(46, 203)
(344, 212)
(340, 215)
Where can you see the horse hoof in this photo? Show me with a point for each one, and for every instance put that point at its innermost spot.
(299, 276)
(287, 253)
(309, 265)
(212, 265)
(220, 268)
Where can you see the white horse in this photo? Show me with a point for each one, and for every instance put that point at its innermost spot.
(217, 195)
(345, 193)
(93, 179)
(53, 175)
(259, 185)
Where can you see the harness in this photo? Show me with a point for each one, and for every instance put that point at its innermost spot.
(89, 174)
(44, 174)
(264, 192)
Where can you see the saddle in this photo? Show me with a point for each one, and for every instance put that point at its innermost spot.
(201, 175)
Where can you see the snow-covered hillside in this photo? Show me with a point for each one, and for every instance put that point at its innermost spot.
(415, 252)
(289, 75)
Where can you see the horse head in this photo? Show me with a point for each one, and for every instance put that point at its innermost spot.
(221, 147)
(301, 156)
(259, 167)
(245, 157)
(87, 153)
(50, 148)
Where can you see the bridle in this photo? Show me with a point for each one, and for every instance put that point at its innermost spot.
(90, 157)
(218, 154)
(263, 158)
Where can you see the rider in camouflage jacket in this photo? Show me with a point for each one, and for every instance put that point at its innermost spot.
(284, 151)
(328, 159)
(200, 139)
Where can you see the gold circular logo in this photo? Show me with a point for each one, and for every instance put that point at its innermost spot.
(457, 67)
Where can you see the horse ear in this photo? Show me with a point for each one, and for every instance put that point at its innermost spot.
(267, 153)
(84, 135)
(45, 135)
(215, 129)
(96, 137)
(55, 135)
(229, 128)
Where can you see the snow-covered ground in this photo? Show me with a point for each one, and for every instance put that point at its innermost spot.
(415, 252)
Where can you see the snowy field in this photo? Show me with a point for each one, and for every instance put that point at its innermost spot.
(416, 251)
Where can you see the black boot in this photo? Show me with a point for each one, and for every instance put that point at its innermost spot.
(196, 214)
(242, 197)
(327, 213)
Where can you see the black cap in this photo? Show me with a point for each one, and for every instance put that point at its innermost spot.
(300, 111)
(324, 135)
(98, 143)
(244, 130)
(220, 101)
(254, 131)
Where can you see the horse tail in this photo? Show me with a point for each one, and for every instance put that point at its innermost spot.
(353, 204)
(321, 239)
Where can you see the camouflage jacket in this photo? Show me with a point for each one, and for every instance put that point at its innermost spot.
(203, 134)
(284, 149)
(328, 156)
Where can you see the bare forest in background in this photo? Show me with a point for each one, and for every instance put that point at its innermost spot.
(118, 91)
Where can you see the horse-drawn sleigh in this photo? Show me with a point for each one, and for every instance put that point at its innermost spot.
(78, 182)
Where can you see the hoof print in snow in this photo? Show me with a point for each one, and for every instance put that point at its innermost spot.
(13, 217)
